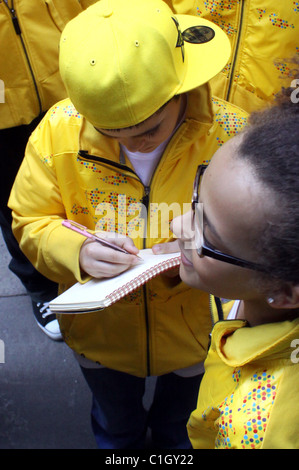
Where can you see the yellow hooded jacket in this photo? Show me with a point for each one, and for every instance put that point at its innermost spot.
(248, 395)
(72, 171)
(264, 37)
(30, 31)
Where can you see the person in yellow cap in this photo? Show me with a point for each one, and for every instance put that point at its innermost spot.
(119, 156)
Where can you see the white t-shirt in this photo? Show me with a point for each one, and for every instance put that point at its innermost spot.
(234, 311)
(145, 164)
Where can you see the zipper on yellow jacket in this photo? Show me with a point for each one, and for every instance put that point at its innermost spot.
(83, 155)
(18, 31)
(237, 46)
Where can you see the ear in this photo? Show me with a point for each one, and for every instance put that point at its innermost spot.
(287, 297)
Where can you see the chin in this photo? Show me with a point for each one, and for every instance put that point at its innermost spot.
(190, 277)
(193, 279)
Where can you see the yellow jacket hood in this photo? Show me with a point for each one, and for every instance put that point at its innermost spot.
(248, 396)
(237, 345)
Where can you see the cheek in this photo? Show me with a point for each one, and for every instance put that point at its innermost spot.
(160, 137)
(207, 274)
(167, 128)
(220, 279)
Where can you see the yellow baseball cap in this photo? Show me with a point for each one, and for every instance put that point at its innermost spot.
(122, 60)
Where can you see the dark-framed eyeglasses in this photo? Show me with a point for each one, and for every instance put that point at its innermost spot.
(201, 243)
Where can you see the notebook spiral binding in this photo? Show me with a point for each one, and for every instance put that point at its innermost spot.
(142, 279)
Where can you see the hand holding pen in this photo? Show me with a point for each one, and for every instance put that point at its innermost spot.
(100, 257)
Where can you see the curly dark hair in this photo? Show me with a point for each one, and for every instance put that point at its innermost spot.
(270, 144)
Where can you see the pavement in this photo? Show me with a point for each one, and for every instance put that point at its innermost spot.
(44, 400)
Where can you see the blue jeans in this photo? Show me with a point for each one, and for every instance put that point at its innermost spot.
(119, 420)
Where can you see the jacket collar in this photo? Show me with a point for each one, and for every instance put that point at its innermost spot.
(237, 344)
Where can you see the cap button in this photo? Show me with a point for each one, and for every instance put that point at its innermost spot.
(108, 12)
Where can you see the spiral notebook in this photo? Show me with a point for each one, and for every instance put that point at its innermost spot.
(97, 294)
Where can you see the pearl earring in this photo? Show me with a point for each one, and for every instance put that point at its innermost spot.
(270, 300)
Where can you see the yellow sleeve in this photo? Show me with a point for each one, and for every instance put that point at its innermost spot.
(38, 211)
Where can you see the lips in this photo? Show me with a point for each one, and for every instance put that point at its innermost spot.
(185, 261)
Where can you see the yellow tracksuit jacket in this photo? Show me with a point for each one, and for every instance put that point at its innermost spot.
(71, 171)
(264, 37)
(248, 395)
(30, 82)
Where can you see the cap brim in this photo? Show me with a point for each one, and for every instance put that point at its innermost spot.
(204, 60)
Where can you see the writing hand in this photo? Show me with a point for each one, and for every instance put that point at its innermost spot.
(103, 262)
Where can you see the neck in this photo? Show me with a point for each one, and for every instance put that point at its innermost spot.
(259, 312)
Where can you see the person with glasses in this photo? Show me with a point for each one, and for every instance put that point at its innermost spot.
(240, 241)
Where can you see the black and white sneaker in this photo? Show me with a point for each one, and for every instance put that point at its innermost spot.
(46, 320)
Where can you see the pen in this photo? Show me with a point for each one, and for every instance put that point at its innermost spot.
(86, 233)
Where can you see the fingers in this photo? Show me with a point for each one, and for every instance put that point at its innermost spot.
(119, 240)
(169, 247)
(100, 261)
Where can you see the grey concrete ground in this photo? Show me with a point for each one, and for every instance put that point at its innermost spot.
(44, 401)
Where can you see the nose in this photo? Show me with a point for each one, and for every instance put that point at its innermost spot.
(182, 227)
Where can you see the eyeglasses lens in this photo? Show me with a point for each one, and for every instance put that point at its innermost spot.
(198, 226)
